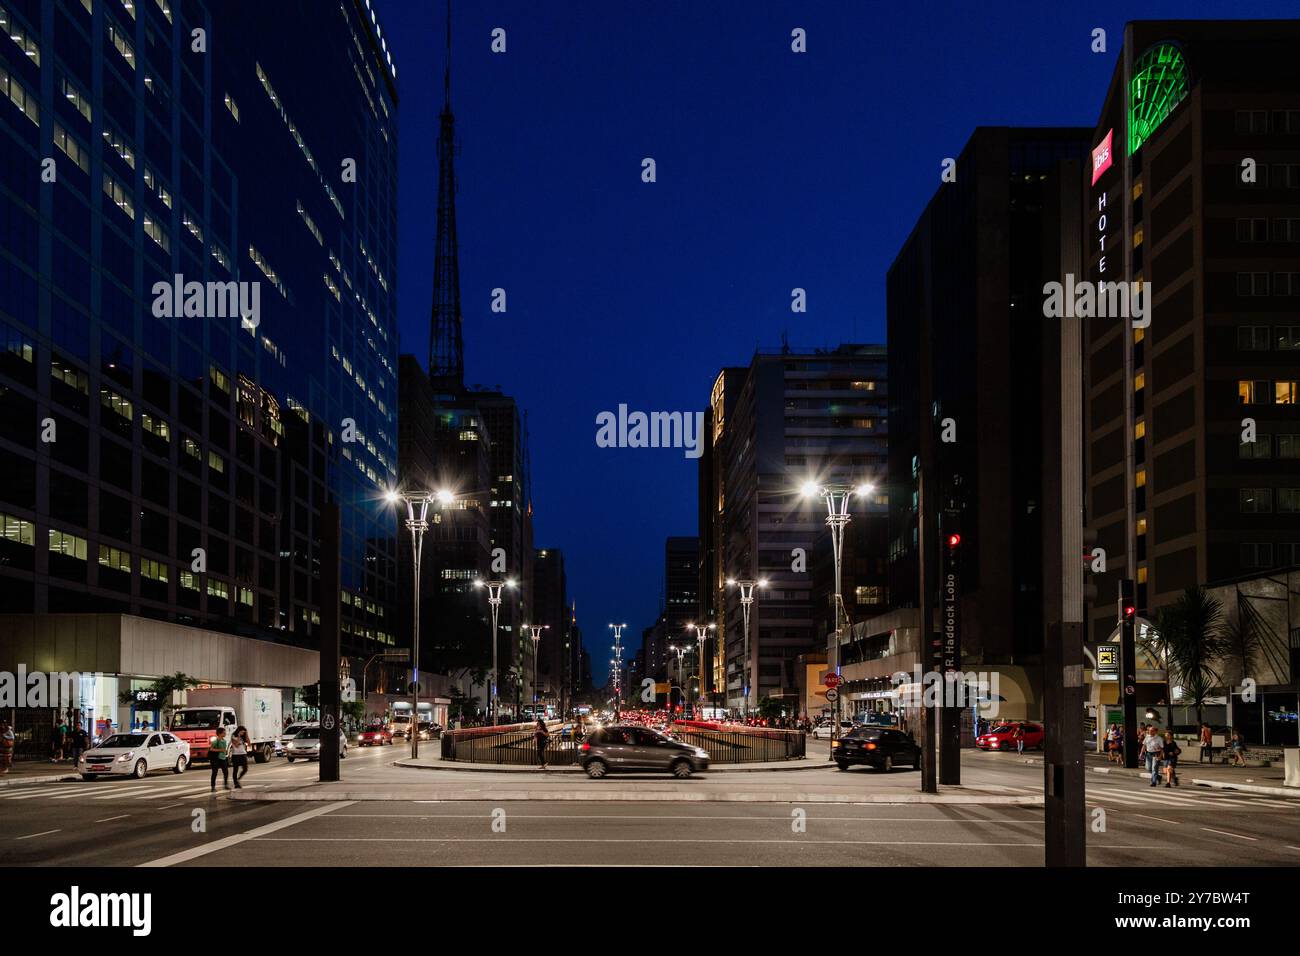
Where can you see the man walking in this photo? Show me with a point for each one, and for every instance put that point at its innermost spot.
(1207, 741)
(1153, 747)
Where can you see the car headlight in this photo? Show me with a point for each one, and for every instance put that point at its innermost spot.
(125, 757)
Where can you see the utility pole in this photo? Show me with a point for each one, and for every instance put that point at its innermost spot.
(330, 577)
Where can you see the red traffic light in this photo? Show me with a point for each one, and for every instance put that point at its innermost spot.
(1129, 610)
(954, 540)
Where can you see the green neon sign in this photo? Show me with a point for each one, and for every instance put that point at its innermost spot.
(1159, 84)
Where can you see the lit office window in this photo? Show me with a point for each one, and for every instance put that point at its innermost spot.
(68, 545)
(25, 42)
(18, 95)
(232, 106)
(1284, 393)
(117, 36)
(156, 233)
(71, 148)
(115, 402)
(118, 194)
(154, 570)
(114, 558)
(79, 100)
(117, 142)
(17, 531)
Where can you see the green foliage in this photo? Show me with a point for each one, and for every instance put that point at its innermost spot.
(1192, 641)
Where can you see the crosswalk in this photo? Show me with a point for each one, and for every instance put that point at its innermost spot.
(1184, 798)
(115, 790)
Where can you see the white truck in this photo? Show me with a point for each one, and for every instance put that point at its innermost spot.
(208, 708)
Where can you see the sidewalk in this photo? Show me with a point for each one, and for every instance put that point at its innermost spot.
(25, 772)
(1265, 780)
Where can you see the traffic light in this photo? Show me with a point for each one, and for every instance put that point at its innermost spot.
(954, 540)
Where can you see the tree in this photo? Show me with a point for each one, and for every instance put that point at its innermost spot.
(162, 690)
(1193, 642)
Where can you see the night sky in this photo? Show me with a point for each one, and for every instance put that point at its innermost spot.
(775, 170)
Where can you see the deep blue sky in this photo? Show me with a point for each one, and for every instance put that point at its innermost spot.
(775, 170)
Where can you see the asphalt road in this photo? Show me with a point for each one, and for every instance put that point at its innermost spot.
(126, 822)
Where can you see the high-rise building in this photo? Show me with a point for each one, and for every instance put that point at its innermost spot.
(789, 417)
(197, 254)
(971, 275)
(551, 609)
(1193, 469)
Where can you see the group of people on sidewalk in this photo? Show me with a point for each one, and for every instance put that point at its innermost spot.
(1161, 751)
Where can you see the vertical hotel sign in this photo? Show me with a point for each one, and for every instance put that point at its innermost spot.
(1103, 156)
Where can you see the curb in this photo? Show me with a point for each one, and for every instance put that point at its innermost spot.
(505, 768)
(1292, 792)
(6, 781)
(632, 796)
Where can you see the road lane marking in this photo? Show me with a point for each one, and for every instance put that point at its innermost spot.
(256, 833)
(1157, 819)
(1226, 833)
(620, 817)
(121, 816)
(42, 833)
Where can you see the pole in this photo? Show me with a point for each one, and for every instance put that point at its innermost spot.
(494, 601)
(927, 534)
(330, 577)
(417, 542)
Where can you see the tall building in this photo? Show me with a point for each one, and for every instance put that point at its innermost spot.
(1196, 193)
(789, 417)
(198, 261)
(551, 609)
(971, 274)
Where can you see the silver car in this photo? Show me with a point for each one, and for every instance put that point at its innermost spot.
(306, 744)
(630, 747)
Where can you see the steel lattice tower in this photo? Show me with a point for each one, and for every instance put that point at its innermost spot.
(446, 351)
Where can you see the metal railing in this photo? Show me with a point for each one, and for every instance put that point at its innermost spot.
(747, 745)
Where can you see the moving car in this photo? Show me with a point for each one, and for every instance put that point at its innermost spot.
(630, 747)
(1000, 737)
(286, 735)
(823, 731)
(878, 747)
(376, 735)
(307, 745)
(135, 755)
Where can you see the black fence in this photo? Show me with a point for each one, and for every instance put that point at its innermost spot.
(519, 747)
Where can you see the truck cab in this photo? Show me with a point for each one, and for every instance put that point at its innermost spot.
(198, 725)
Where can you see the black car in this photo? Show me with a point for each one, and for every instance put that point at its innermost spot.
(879, 747)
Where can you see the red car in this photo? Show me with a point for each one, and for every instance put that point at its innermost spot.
(1002, 737)
(374, 736)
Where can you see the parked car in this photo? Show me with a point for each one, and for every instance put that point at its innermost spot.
(1001, 737)
(878, 747)
(824, 731)
(629, 747)
(135, 755)
(306, 745)
(376, 735)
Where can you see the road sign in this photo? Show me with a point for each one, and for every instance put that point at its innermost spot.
(832, 680)
(832, 694)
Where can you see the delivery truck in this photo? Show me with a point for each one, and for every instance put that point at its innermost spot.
(208, 708)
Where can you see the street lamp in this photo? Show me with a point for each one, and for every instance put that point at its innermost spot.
(701, 635)
(617, 666)
(494, 589)
(417, 522)
(535, 633)
(681, 690)
(837, 498)
(746, 600)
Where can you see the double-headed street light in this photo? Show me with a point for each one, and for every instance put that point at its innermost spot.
(837, 498)
(680, 651)
(535, 633)
(701, 635)
(494, 589)
(616, 665)
(417, 522)
(746, 601)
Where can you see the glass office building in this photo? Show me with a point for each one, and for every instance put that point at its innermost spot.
(198, 342)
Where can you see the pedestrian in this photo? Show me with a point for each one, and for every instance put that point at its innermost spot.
(543, 737)
(1153, 748)
(79, 740)
(240, 745)
(56, 744)
(1238, 750)
(6, 746)
(1018, 735)
(1112, 745)
(1207, 742)
(218, 749)
(1172, 750)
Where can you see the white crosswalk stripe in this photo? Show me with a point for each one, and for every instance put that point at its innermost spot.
(29, 794)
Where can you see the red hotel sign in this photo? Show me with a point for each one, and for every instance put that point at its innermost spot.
(1101, 156)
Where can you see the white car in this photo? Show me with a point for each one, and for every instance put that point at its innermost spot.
(282, 741)
(135, 755)
(306, 745)
(823, 731)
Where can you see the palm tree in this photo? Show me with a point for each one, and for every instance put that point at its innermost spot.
(1191, 639)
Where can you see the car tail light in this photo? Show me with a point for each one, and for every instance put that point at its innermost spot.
(586, 746)
(871, 746)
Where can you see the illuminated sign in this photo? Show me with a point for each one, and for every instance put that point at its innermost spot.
(1160, 82)
(1101, 157)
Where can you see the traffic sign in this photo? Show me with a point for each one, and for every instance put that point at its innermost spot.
(832, 680)
(832, 694)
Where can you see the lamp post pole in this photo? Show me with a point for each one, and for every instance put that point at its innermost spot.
(535, 634)
(837, 499)
(494, 589)
(617, 665)
(746, 602)
(701, 635)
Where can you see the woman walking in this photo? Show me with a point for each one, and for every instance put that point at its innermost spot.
(6, 746)
(218, 749)
(239, 747)
(1113, 754)
(543, 737)
(1172, 750)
